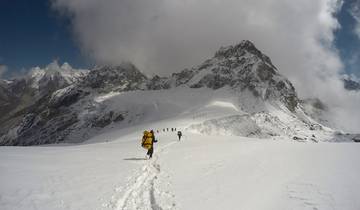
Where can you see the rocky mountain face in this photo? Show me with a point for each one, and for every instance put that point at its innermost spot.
(71, 108)
(20, 97)
(350, 84)
(118, 78)
(7, 97)
(22, 92)
(54, 115)
(241, 67)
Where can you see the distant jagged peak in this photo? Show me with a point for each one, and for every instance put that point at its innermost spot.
(234, 65)
(124, 70)
(243, 68)
(244, 48)
(54, 68)
(66, 66)
(122, 67)
(232, 50)
(125, 76)
(51, 68)
(63, 75)
(351, 82)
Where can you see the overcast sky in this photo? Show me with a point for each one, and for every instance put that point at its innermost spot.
(166, 36)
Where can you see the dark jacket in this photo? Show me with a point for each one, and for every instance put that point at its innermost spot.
(154, 139)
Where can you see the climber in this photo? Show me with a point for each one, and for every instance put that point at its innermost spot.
(148, 141)
(179, 134)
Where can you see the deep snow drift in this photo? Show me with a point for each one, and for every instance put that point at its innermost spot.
(199, 172)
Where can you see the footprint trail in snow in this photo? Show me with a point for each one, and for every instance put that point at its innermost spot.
(148, 188)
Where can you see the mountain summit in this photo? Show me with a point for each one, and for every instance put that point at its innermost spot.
(242, 67)
(238, 91)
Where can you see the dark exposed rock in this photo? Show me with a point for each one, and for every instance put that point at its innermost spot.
(213, 81)
(158, 83)
(356, 139)
(66, 98)
(183, 77)
(115, 78)
(351, 84)
(265, 72)
(107, 119)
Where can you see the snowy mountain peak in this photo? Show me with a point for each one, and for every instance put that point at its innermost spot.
(235, 50)
(244, 48)
(66, 66)
(54, 75)
(243, 68)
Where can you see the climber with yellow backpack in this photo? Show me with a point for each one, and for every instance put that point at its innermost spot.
(148, 141)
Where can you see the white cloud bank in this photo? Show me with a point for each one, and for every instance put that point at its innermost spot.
(165, 36)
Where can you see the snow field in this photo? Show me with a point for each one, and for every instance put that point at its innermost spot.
(147, 188)
(243, 173)
(199, 172)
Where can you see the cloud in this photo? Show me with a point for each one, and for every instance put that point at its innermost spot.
(166, 36)
(355, 13)
(162, 36)
(3, 70)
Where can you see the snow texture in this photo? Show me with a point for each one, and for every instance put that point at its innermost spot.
(198, 172)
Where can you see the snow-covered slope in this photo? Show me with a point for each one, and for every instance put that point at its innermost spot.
(199, 172)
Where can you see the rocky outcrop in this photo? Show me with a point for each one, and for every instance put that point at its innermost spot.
(350, 84)
(124, 77)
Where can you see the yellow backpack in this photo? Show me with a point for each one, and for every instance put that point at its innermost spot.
(147, 140)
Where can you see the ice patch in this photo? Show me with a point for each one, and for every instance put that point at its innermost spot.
(223, 104)
(105, 97)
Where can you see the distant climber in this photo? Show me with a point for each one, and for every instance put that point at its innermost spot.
(179, 134)
(148, 141)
